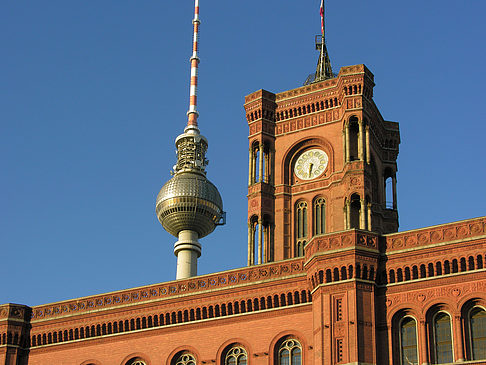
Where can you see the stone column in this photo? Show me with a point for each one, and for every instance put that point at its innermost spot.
(457, 339)
(368, 153)
(250, 245)
(348, 146)
(423, 343)
(394, 181)
(362, 215)
(253, 166)
(369, 217)
(344, 147)
(272, 167)
(270, 243)
(260, 164)
(250, 165)
(260, 238)
(360, 141)
(348, 214)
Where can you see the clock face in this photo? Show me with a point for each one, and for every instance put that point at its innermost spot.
(311, 164)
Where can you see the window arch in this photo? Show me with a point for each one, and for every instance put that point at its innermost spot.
(477, 333)
(290, 353)
(442, 338)
(236, 355)
(184, 359)
(300, 228)
(319, 210)
(136, 361)
(408, 341)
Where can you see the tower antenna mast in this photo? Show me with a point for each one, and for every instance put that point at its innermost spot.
(192, 113)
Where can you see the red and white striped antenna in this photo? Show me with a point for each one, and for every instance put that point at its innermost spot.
(192, 114)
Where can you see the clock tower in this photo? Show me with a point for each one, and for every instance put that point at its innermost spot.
(321, 159)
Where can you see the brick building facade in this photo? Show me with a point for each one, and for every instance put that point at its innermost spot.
(329, 280)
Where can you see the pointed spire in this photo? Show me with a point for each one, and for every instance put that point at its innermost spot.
(192, 114)
(324, 69)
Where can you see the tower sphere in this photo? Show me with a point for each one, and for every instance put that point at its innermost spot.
(189, 201)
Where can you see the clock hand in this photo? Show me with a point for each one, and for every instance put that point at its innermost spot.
(310, 169)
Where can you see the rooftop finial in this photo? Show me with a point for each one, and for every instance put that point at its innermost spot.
(192, 114)
(324, 69)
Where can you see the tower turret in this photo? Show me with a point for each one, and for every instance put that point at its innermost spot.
(189, 206)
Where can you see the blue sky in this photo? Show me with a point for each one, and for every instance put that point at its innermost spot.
(93, 95)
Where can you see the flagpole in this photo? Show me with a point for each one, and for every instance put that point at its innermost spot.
(322, 38)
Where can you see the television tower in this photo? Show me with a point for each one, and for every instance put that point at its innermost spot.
(189, 206)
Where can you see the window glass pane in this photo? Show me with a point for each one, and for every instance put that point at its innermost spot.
(443, 339)
(323, 218)
(284, 357)
(408, 338)
(318, 219)
(304, 230)
(478, 333)
(242, 360)
(296, 359)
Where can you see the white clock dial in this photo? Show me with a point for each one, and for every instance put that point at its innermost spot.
(311, 164)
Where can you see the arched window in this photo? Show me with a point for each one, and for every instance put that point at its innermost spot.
(319, 216)
(408, 341)
(235, 356)
(442, 338)
(354, 211)
(300, 228)
(184, 359)
(477, 333)
(352, 137)
(136, 361)
(290, 353)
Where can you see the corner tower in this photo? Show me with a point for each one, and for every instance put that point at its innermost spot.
(189, 206)
(322, 159)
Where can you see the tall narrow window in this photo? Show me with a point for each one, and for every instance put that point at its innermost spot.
(300, 228)
(236, 356)
(408, 342)
(442, 338)
(319, 216)
(477, 328)
(290, 353)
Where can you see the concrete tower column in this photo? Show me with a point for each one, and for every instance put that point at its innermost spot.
(368, 154)
(187, 249)
(360, 141)
(362, 215)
